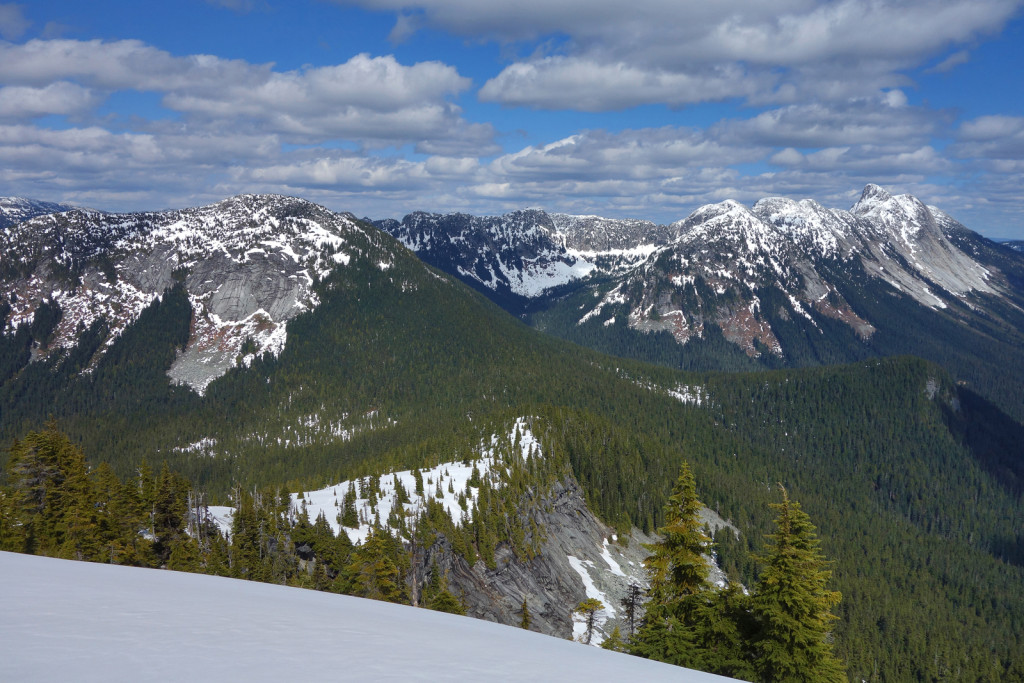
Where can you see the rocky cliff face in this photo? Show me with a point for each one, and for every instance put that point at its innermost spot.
(248, 264)
(580, 557)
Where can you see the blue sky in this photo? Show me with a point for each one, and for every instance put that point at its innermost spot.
(646, 109)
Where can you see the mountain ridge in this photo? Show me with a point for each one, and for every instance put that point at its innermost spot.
(780, 283)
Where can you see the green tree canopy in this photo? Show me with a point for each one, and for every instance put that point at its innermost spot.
(792, 603)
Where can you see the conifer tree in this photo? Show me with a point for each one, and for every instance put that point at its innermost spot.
(792, 604)
(614, 641)
(373, 571)
(526, 619)
(677, 567)
(679, 587)
(436, 595)
(349, 518)
(588, 611)
(631, 604)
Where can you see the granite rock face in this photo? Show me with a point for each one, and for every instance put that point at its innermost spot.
(248, 264)
(580, 557)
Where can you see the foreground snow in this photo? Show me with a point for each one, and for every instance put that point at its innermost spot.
(77, 621)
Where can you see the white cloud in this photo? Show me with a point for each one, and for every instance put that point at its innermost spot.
(367, 98)
(991, 139)
(885, 118)
(951, 62)
(574, 83)
(60, 98)
(647, 154)
(669, 51)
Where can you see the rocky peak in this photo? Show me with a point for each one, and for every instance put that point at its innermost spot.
(870, 197)
(248, 264)
(596, 234)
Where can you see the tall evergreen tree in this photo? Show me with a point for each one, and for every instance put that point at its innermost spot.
(676, 567)
(792, 604)
(678, 575)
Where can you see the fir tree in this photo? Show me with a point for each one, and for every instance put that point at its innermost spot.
(677, 568)
(373, 571)
(436, 595)
(526, 619)
(588, 611)
(678, 612)
(792, 604)
(348, 517)
(614, 641)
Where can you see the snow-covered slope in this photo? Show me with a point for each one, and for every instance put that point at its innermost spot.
(526, 253)
(14, 210)
(579, 556)
(809, 260)
(67, 620)
(248, 264)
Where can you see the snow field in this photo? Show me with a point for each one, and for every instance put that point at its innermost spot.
(77, 621)
(442, 483)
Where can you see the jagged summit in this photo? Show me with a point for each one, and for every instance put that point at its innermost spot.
(716, 267)
(872, 195)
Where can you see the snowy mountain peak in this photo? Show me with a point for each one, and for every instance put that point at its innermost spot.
(871, 196)
(14, 210)
(248, 264)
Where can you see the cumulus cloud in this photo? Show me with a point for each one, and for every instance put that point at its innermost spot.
(234, 124)
(646, 154)
(669, 51)
(373, 98)
(994, 140)
(884, 118)
(61, 98)
(583, 84)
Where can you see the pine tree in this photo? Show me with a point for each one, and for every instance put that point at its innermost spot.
(679, 591)
(588, 610)
(526, 619)
(677, 567)
(792, 605)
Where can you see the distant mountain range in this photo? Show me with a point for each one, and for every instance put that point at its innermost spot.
(14, 210)
(783, 283)
(248, 265)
